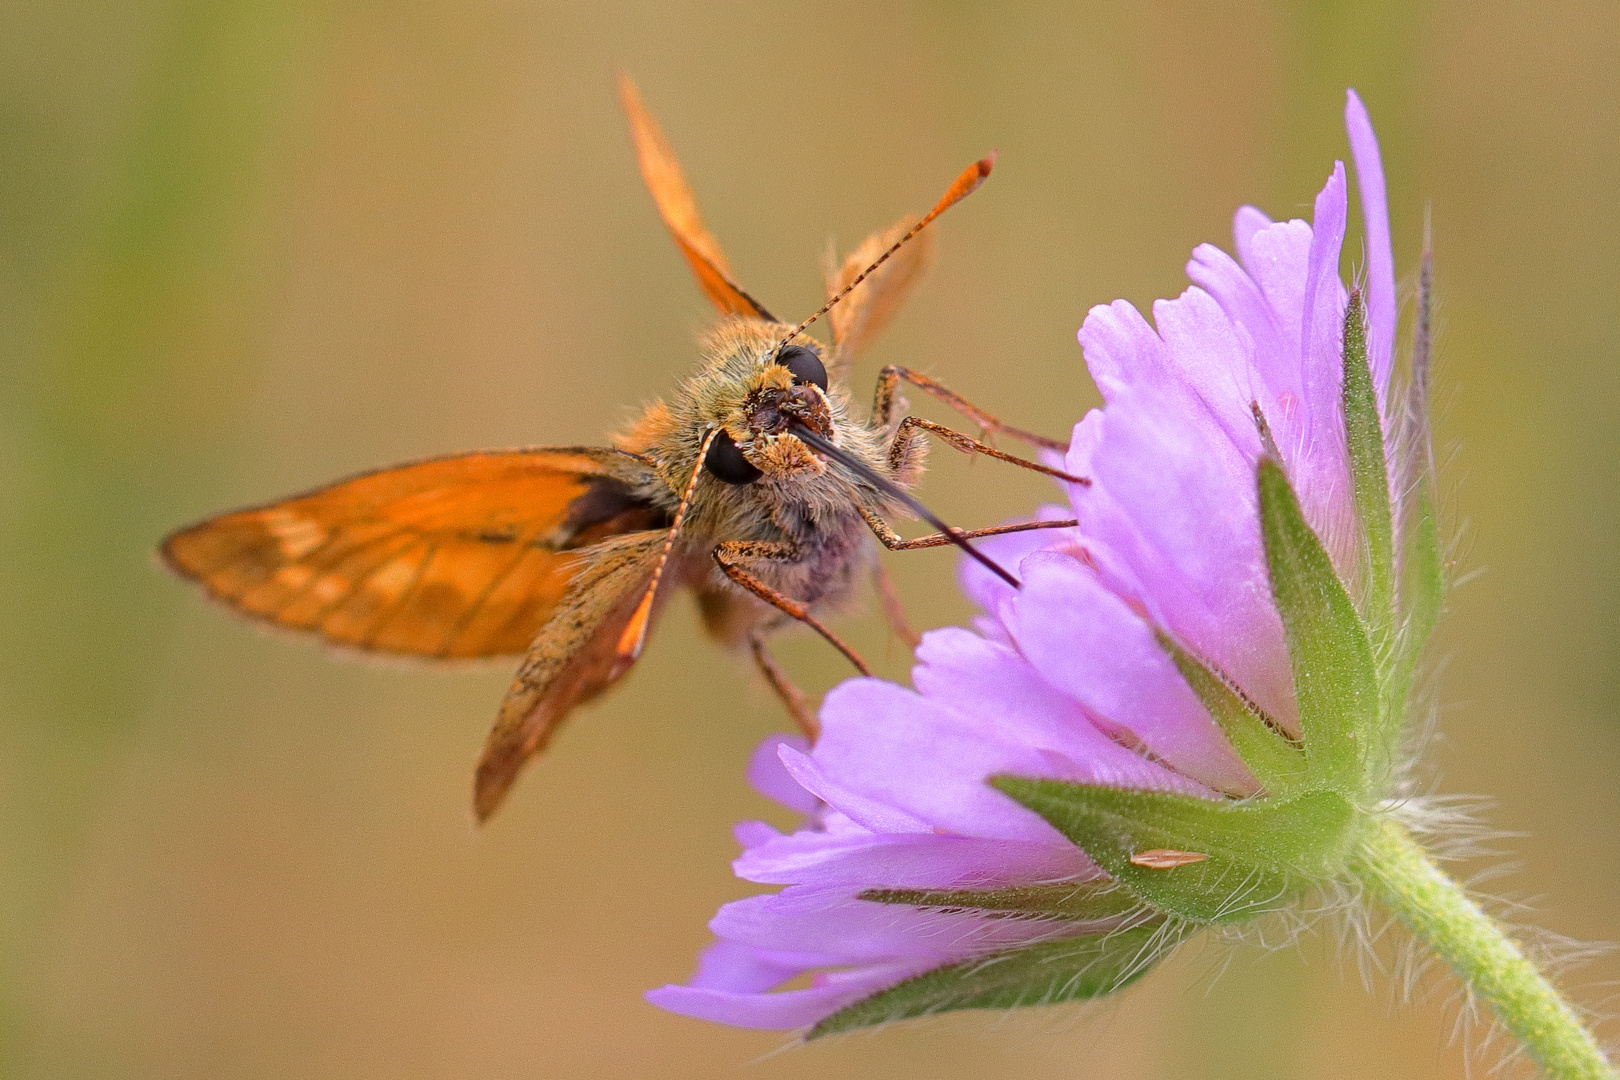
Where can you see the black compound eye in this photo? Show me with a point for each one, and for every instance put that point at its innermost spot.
(804, 364)
(727, 463)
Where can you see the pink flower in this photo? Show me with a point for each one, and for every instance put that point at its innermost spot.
(1075, 676)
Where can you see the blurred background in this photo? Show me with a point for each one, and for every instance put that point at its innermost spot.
(249, 247)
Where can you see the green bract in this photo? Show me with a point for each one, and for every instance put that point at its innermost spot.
(1068, 969)
(1256, 853)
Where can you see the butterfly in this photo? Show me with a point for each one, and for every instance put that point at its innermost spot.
(756, 485)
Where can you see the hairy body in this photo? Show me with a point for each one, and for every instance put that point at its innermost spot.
(806, 508)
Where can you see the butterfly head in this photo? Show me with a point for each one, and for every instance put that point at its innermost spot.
(759, 393)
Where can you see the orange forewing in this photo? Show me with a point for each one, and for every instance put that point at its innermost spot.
(460, 556)
(662, 172)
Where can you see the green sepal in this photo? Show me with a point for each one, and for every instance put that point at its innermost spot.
(1335, 681)
(1069, 969)
(1259, 853)
(1276, 760)
(1082, 901)
(1369, 476)
(1423, 588)
(1421, 575)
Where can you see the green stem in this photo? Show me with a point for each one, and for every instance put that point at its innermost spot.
(1490, 963)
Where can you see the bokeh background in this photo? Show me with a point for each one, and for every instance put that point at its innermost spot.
(249, 247)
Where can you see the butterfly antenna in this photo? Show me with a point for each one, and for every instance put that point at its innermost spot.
(970, 179)
(635, 631)
(895, 491)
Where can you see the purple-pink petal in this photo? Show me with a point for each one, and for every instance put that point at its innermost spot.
(1246, 222)
(909, 861)
(829, 921)
(992, 680)
(1121, 349)
(889, 744)
(767, 776)
(871, 813)
(1276, 377)
(1321, 468)
(787, 1009)
(986, 589)
(732, 966)
(1277, 256)
(1381, 312)
(1085, 641)
(1171, 524)
(1214, 358)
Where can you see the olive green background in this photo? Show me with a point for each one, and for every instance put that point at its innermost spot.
(247, 248)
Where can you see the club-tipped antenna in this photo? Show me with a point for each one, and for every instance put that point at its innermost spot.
(895, 491)
(970, 178)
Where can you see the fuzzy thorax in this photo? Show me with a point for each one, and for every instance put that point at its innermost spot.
(739, 389)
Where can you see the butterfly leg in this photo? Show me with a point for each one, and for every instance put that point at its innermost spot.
(792, 697)
(731, 554)
(900, 449)
(895, 542)
(886, 398)
(893, 610)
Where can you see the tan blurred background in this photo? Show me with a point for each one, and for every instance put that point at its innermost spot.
(246, 248)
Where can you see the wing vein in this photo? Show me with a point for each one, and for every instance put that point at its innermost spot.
(342, 600)
(354, 547)
(466, 618)
(405, 597)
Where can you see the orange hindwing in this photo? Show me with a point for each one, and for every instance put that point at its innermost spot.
(864, 313)
(573, 661)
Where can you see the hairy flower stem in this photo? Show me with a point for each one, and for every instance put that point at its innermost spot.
(1491, 964)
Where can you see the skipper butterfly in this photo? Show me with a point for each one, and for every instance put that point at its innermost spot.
(755, 485)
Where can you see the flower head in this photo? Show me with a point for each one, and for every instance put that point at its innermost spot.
(1174, 721)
